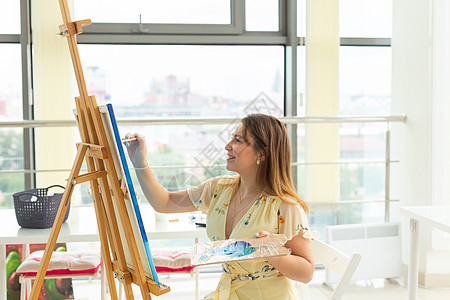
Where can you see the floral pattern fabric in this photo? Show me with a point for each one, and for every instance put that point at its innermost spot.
(260, 279)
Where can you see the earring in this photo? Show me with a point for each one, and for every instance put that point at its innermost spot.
(258, 162)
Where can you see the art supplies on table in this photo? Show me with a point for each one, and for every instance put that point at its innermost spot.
(239, 249)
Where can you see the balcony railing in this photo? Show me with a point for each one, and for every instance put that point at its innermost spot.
(218, 121)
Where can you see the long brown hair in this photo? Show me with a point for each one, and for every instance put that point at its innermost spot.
(271, 141)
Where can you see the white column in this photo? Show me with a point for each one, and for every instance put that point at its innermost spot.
(420, 74)
(322, 98)
(440, 157)
(53, 97)
(438, 256)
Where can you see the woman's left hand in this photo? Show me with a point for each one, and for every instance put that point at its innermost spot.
(299, 265)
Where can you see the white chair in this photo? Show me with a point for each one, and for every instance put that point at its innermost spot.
(337, 261)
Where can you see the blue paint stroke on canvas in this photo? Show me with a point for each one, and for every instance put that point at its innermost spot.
(232, 250)
(132, 192)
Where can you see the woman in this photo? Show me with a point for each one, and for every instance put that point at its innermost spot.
(260, 200)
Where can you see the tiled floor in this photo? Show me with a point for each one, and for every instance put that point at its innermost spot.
(183, 288)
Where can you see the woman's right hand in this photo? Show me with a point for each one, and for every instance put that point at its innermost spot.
(137, 150)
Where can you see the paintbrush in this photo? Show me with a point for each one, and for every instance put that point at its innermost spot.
(128, 140)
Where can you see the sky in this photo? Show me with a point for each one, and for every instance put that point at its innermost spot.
(235, 72)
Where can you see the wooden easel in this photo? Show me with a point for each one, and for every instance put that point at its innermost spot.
(105, 186)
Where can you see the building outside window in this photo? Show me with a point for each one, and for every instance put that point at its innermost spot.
(218, 59)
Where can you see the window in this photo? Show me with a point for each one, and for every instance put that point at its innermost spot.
(219, 59)
(364, 89)
(364, 80)
(261, 15)
(11, 158)
(365, 18)
(156, 11)
(10, 82)
(11, 139)
(156, 80)
(9, 17)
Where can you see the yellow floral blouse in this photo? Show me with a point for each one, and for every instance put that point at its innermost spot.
(256, 278)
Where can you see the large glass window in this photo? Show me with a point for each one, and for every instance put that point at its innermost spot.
(363, 148)
(261, 15)
(217, 75)
(176, 81)
(11, 139)
(365, 80)
(183, 155)
(365, 18)
(219, 81)
(156, 11)
(322, 216)
(10, 82)
(9, 17)
(11, 158)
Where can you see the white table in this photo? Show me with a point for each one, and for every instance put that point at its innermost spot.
(81, 226)
(436, 216)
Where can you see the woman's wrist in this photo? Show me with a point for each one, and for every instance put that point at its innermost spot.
(142, 168)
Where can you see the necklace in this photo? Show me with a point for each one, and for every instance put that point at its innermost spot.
(243, 206)
(242, 199)
(237, 213)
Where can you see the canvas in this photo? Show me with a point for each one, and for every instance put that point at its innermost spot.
(123, 173)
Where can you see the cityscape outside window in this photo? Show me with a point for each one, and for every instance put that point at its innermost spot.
(11, 139)
(204, 81)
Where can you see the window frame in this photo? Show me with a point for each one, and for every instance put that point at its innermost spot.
(24, 39)
(176, 34)
(236, 26)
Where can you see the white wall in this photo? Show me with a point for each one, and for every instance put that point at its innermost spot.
(417, 90)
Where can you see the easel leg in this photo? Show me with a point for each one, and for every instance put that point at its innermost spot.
(106, 255)
(51, 244)
(57, 223)
(128, 291)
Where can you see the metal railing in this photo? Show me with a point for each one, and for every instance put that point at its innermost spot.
(217, 121)
(209, 121)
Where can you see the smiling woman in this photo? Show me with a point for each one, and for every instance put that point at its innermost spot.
(241, 156)
(211, 74)
(260, 199)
